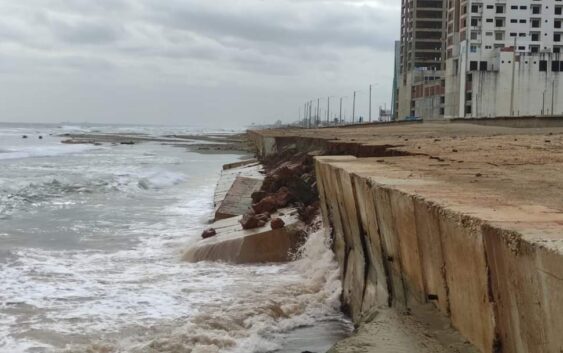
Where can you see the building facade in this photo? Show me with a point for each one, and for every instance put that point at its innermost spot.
(500, 58)
(422, 56)
(503, 58)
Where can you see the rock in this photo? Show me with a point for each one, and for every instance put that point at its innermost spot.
(24, 136)
(208, 233)
(252, 220)
(282, 197)
(308, 213)
(277, 223)
(257, 196)
(267, 204)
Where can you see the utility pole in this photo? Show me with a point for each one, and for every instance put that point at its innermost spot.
(327, 111)
(340, 118)
(354, 108)
(370, 103)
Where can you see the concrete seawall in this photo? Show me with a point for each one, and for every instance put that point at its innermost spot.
(477, 236)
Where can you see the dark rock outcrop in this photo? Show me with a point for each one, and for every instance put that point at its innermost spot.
(208, 233)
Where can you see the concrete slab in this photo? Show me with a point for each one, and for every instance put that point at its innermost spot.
(238, 199)
(228, 177)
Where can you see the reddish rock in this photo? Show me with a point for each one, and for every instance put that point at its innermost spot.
(277, 223)
(282, 197)
(208, 233)
(252, 220)
(267, 204)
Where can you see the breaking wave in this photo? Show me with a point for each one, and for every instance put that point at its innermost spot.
(17, 196)
(250, 318)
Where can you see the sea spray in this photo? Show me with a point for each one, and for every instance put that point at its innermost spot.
(283, 298)
(299, 294)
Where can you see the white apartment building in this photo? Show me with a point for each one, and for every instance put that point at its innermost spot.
(504, 58)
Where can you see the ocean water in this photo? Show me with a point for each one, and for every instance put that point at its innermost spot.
(91, 239)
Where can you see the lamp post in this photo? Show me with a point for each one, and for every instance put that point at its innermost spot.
(370, 103)
(354, 109)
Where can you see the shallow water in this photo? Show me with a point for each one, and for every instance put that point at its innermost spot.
(90, 246)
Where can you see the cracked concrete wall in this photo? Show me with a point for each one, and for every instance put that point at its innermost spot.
(399, 249)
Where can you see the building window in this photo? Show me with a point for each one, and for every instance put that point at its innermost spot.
(489, 20)
(558, 10)
(499, 9)
(535, 37)
(536, 22)
(499, 35)
(556, 37)
(490, 7)
(474, 9)
(557, 24)
(534, 49)
(473, 65)
(512, 34)
(482, 66)
(499, 22)
(468, 109)
(522, 21)
(474, 35)
(521, 34)
(474, 21)
(514, 7)
(473, 49)
(522, 48)
(555, 66)
(536, 9)
(523, 7)
(543, 65)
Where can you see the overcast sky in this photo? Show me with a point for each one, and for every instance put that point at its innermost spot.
(219, 63)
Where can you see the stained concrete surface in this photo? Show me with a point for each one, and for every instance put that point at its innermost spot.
(464, 217)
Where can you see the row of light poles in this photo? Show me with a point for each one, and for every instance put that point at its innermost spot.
(309, 106)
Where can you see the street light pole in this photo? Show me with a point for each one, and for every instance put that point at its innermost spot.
(354, 108)
(310, 112)
(318, 112)
(340, 118)
(328, 111)
(370, 103)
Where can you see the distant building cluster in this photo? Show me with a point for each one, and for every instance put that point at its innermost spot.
(486, 58)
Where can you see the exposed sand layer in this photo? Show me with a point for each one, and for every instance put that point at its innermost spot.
(392, 332)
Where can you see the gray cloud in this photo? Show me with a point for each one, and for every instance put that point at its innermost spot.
(293, 49)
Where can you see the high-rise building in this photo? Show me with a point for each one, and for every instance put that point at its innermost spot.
(421, 56)
(503, 58)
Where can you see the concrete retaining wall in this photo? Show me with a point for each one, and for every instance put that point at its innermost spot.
(496, 270)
